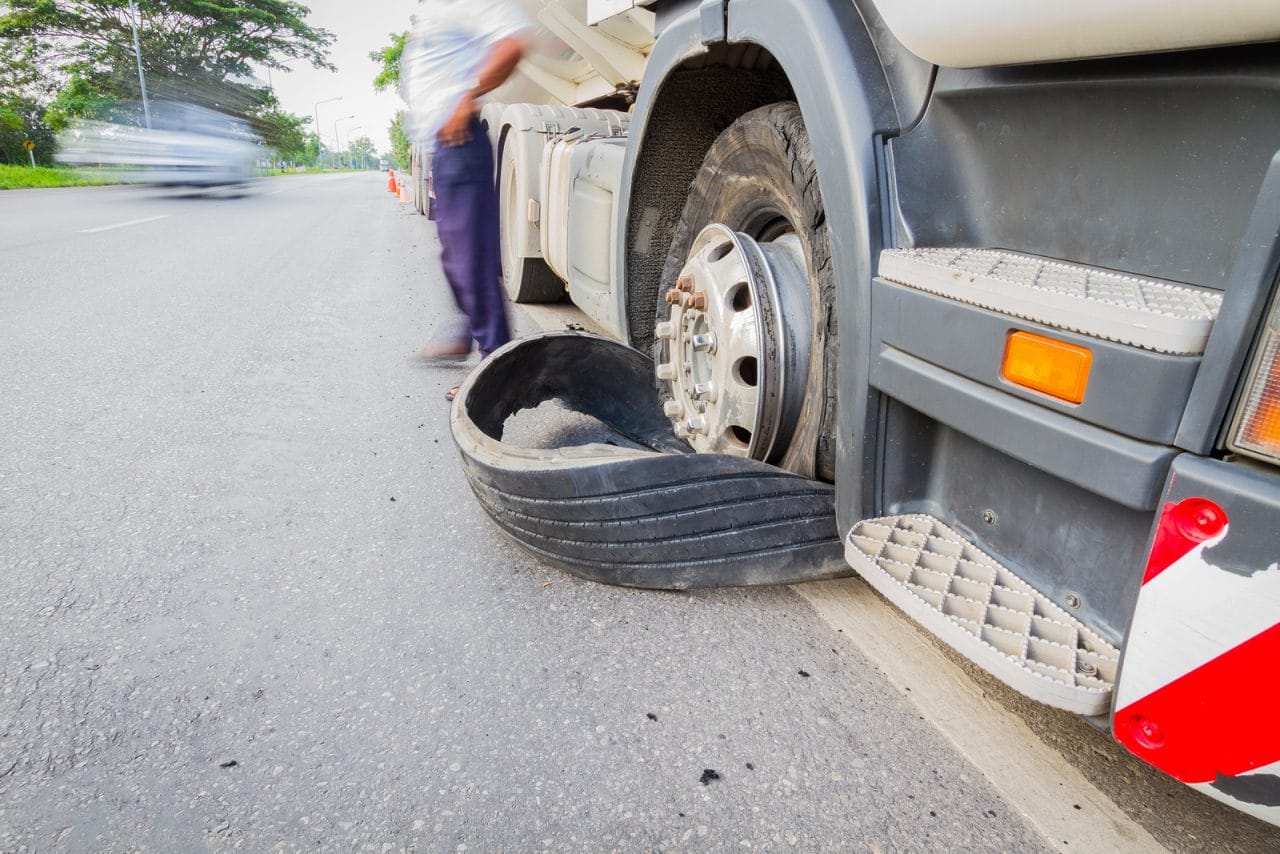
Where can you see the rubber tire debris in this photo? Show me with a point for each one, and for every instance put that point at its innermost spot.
(661, 518)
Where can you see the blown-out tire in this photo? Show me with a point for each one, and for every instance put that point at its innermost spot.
(526, 280)
(759, 178)
(657, 517)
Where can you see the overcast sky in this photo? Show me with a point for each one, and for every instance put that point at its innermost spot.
(358, 27)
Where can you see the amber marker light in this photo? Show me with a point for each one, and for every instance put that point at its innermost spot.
(1051, 367)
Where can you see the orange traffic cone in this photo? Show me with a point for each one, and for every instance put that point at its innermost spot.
(391, 180)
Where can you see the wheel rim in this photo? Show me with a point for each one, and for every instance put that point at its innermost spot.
(737, 344)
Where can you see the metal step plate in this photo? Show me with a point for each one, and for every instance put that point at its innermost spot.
(984, 611)
(1148, 313)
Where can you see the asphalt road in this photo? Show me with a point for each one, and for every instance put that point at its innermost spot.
(250, 602)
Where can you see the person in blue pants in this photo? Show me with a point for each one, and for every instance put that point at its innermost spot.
(459, 50)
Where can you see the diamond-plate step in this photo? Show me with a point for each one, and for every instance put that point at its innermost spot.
(984, 611)
(1147, 313)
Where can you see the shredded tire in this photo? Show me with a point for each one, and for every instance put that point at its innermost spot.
(657, 517)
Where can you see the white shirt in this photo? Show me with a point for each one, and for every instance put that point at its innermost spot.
(444, 54)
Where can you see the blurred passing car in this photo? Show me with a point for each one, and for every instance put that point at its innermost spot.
(186, 145)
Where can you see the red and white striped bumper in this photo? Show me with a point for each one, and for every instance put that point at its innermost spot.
(1198, 695)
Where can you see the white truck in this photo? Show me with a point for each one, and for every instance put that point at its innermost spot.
(976, 299)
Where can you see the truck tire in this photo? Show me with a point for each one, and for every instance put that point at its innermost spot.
(759, 179)
(526, 280)
(655, 517)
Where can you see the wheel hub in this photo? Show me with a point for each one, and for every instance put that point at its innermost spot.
(736, 344)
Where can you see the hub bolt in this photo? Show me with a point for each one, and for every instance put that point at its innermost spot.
(666, 371)
(704, 391)
(681, 430)
(705, 343)
(697, 424)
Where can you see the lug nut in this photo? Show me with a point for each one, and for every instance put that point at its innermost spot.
(673, 409)
(697, 424)
(667, 371)
(684, 283)
(666, 331)
(704, 391)
(699, 300)
(673, 296)
(682, 430)
(705, 343)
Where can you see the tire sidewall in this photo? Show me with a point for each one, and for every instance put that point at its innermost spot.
(511, 263)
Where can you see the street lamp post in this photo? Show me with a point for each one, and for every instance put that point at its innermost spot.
(335, 136)
(137, 52)
(317, 109)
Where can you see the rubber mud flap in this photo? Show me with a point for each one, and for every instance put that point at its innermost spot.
(657, 517)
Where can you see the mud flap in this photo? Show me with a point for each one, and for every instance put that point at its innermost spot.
(656, 517)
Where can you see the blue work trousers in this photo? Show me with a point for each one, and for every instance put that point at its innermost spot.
(467, 222)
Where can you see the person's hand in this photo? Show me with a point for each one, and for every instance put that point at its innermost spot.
(457, 128)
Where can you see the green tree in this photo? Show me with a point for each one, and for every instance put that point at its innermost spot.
(389, 58)
(198, 51)
(316, 152)
(400, 145)
(389, 78)
(283, 133)
(180, 38)
(78, 99)
(22, 119)
(362, 153)
(23, 91)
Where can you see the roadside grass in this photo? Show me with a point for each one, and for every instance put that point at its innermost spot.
(38, 177)
(24, 177)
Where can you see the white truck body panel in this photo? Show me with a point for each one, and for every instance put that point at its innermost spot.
(573, 61)
(595, 181)
(973, 33)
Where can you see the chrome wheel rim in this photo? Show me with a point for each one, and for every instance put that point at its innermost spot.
(735, 346)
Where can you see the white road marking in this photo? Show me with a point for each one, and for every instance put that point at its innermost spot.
(123, 224)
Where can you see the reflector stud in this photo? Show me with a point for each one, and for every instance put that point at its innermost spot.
(1051, 367)
(1146, 732)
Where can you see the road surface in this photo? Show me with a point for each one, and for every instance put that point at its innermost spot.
(250, 602)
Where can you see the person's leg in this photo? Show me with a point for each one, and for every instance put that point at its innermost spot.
(450, 173)
(469, 238)
(489, 322)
